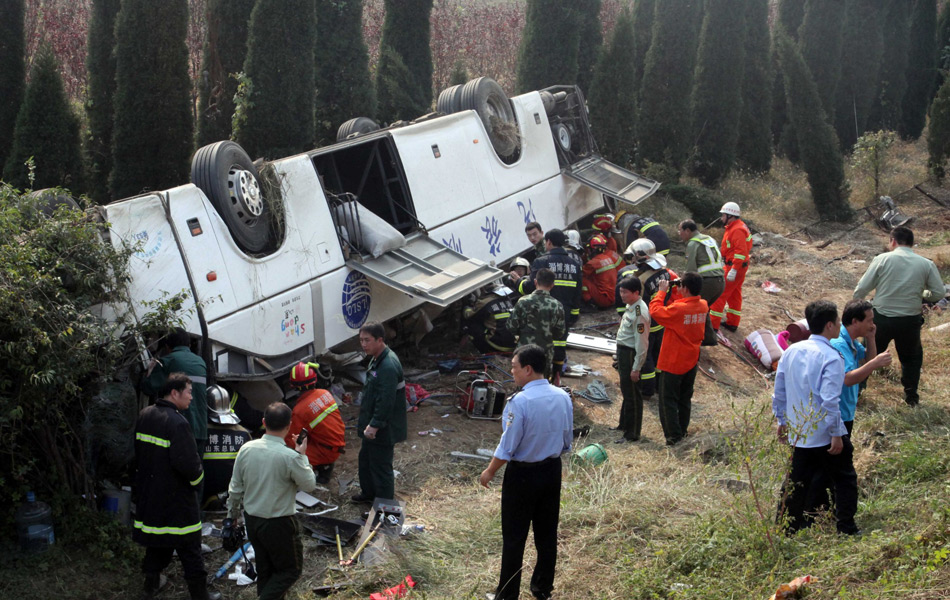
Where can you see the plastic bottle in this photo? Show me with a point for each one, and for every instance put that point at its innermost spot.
(34, 525)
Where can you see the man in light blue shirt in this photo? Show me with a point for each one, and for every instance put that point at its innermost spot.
(808, 386)
(857, 321)
(536, 430)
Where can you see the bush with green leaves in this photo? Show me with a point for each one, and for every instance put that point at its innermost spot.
(869, 156)
(56, 351)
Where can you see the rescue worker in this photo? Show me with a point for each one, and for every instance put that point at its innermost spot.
(519, 268)
(317, 413)
(486, 320)
(573, 245)
(703, 257)
(567, 274)
(539, 319)
(167, 473)
(647, 227)
(736, 252)
(225, 438)
(606, 225)
(679, 355)
(599, 274)
(651, 269)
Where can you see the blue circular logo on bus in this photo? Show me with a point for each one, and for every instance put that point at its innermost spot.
(356, 299)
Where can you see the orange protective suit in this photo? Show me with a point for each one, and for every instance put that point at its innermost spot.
(317, 412)
(736, 251)
(599, 279)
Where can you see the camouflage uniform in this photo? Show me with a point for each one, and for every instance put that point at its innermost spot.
(539, 319)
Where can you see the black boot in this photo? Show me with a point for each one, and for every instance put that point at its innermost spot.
(324, 472)
(152, 585)
(199, 590)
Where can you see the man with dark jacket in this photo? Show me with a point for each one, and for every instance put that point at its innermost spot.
(168, 471)
(382, 421)
(180, 359)
(567, 271)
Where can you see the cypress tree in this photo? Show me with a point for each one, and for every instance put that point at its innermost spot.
(938, 132)
(892, 82)
(668, 82)
(791, 13)
(754, 146)
(921, 67)
(862, 48)
(344, 88)
(820, 40)
(643, 12)
(817, 142)
(943, 45)
(224, 52)
(613, 104)
(405, 46)
(717, 91)
(100, 64)
(13, 71)
(549, 45)
(152, 133)
(47, 130)
(590, 40)
(279, 111)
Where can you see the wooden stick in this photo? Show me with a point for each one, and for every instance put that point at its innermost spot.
(365, 543)
(339, 546)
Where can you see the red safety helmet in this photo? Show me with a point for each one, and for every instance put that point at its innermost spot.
(304, 374)
(598, 241)
(605, 223)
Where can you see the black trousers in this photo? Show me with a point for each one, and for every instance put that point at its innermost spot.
(631, 411)
(279, 554)
(189, 553)
(905, 331)
(676, 399)
(648, 374)
(809, 464)
(376, 470)
(530, 495)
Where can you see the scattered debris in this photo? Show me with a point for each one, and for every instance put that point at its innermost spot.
(794, 588)
(770, 287)
(458, 454)
(596, 392)
(399, 591)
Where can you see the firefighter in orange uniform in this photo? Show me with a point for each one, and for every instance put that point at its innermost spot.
(736, 251)
(599, 275)
(606, 226)
(684, 321)
(317, 412)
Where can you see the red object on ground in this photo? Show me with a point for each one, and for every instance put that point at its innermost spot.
(403, 590)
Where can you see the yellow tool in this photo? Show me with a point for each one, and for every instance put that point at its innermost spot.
(362, 546)
(339, 547)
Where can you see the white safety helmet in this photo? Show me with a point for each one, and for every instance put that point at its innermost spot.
(644, 251)
(730, 208)
(520, 262)
(219, 406)
(574, 239)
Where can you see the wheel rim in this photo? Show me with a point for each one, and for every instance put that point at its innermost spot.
(245, 191)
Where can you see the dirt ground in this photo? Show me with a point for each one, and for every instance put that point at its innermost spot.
(810, 263)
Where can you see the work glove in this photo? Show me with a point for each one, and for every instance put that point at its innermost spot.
(731, 276)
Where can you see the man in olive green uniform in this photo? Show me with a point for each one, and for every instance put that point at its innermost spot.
(902, 280)
(703, 257)
(539, 319)
(382, 422)
(266, 477)
(180, 359)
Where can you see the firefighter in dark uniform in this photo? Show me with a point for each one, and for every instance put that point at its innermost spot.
(168, 471)
(651, 270)
(567, 271)
(646, 227)
(486, 320)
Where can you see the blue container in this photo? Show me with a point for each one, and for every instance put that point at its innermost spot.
(34, 525)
